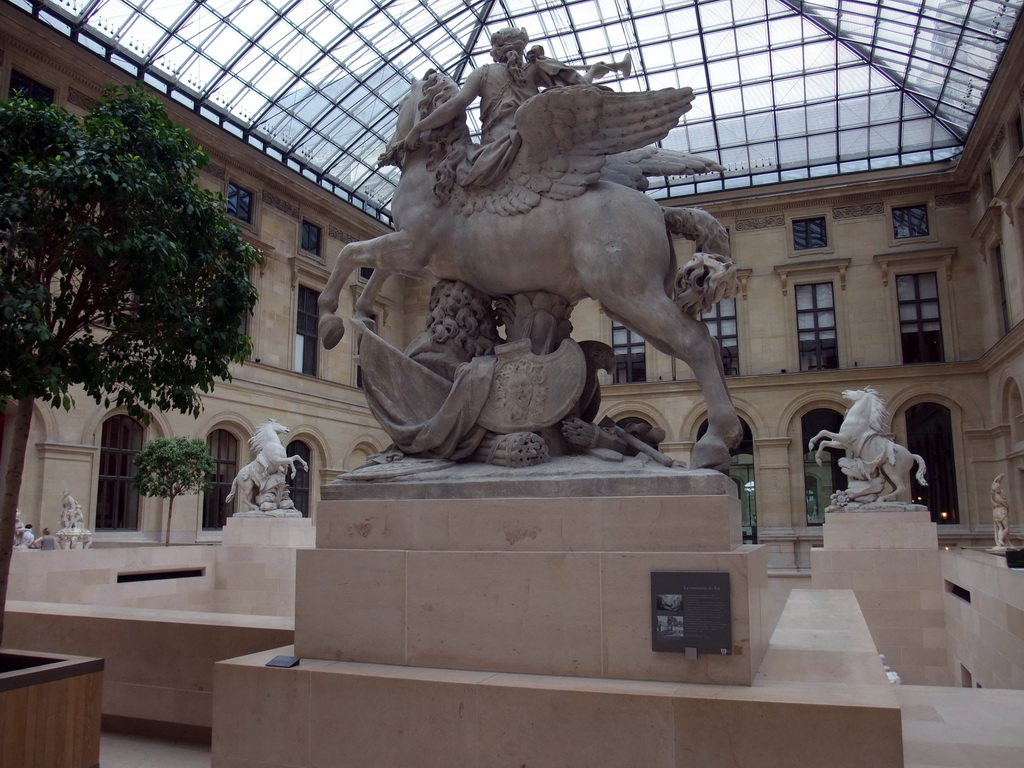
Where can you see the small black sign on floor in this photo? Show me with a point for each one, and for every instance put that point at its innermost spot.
(690, 612)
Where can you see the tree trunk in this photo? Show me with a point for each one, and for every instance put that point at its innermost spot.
(170, 511)
(17, 424)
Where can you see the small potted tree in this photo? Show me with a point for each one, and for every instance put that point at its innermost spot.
(168, 467)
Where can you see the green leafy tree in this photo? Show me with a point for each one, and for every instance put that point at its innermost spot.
(169, 467)
(118, 273)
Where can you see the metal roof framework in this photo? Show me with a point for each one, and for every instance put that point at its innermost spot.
(786, 89)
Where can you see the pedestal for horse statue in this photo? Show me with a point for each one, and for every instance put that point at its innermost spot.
(890, 559)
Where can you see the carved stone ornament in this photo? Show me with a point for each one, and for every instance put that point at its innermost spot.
(530, 392)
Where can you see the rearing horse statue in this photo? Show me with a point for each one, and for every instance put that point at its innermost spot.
(553, 225)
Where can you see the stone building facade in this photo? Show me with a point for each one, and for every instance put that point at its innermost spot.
(908, 282)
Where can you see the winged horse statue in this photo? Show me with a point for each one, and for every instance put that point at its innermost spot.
(553, 222)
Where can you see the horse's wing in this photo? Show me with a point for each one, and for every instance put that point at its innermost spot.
(631, 169)
(567, 135)
(589, 120)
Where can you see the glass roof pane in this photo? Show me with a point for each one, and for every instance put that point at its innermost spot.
(823, 84)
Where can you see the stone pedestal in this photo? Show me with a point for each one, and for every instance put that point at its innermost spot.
(491, 623)
(891, 562)
(289, 532)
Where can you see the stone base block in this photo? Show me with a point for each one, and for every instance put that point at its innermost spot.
(911, 528)
(891, 562)
(554, 613)
(290, 532)
(536, 586)
(832, 708)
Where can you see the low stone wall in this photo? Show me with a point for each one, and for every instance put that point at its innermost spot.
(984, 605)
(159, 663)
(160, 616)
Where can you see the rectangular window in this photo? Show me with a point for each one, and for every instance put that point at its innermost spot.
(816, 327)
(1018, 133)
(911, 221)
(26, 87)
(365, 273)
(305, 331)
(997, 257)
(920, 325)
(809, 233)
(721, 321)
(310, 238)
(240, 203)
(630, 356)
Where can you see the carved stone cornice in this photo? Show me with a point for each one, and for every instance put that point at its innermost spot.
(743, 275)
(953, 198)
(337, 233)
(276, 201)
(855, 211)
(763, 222)
(80, 99)
(940, 259)
(808, 268)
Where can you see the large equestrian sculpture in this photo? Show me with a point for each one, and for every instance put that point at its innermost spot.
(545, 211)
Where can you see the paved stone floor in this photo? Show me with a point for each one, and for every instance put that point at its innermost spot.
(942, 728)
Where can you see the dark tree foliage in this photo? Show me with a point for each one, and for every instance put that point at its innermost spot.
(118, 273)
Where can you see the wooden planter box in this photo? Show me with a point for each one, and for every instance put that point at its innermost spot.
(49, 710)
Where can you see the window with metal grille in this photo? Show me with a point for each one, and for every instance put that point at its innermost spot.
(306, 331)
(26, 87)
(298, 486)
(239, 203)
(820, 481)
(911, 221)
(930, 435)
(311, 238)
(721, 321)
(223, 448)
(117, 500)
(816, 327)
(809, 233)
(630, 355)
(920, 324)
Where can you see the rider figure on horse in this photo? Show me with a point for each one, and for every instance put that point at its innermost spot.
(502, 88)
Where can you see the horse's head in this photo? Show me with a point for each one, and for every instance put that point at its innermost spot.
(267, 433)
(423, 97)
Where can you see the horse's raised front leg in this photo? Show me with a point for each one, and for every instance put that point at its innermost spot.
(391, 252)
(656, 317)
(829, 441)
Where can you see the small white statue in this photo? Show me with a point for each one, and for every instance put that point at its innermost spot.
(261, 483)
(19, 529)
(872, 459)
(73, 533)
(1000, 513)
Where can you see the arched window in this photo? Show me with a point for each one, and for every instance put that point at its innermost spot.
(930, 435)
(117, 500)
(223, 448)
(820, 482)
(299, 485)
(741, 472)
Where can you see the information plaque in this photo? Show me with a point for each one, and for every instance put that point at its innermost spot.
(690, 612)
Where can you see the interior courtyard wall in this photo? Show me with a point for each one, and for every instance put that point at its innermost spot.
(326, 410)
(861, 259)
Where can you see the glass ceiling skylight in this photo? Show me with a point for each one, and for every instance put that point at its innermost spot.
(786, 89)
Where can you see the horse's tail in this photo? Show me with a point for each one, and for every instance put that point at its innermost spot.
(920, 469)
(710, 275)
(231, 494)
